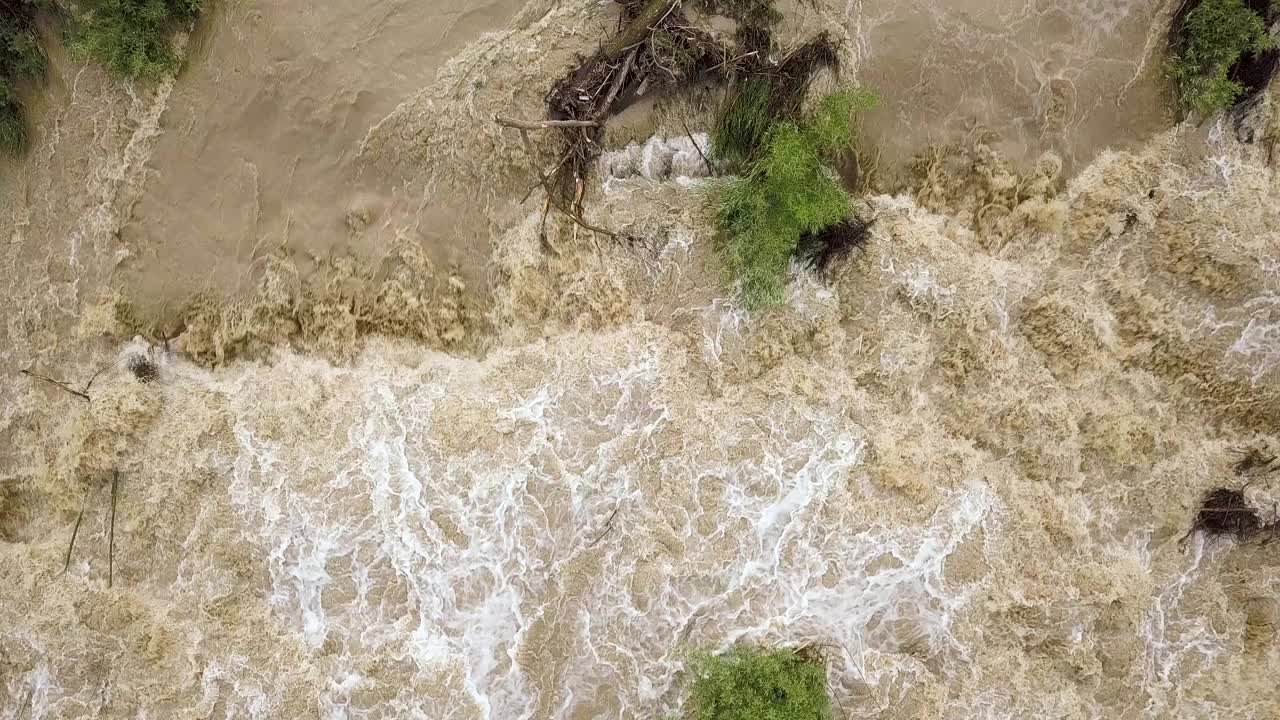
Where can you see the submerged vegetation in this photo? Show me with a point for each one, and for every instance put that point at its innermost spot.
(131, 37)
(1227, 512)
(1211, 39)
(750, 683)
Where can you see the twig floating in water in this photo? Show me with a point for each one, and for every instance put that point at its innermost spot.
(111, 541)
(608, 525)
(711, 168)
(543, 124)
(59, 383)
(74, 531)
(31, 699)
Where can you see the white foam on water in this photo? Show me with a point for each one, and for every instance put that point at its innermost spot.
(779, 565)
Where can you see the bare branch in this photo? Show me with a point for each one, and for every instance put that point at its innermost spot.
(608, 525)
(542, 179)
(543, 124)
(74, 531)
(710, 165)
(618, 81)
(111, 542)
(59, 383)
(524, 135)
(101, 370)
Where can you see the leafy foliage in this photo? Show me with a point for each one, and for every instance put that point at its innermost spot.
(20, 59)
(132, 37)
(832, 125)
(1214, 37)
(785, 193)
(756, 684)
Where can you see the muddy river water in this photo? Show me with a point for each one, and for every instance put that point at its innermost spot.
(499, 477)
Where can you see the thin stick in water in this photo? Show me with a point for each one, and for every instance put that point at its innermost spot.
(59, 383)
(711, 167)
(74, 531)
(111, 541)
(543, 124)
(608, 525)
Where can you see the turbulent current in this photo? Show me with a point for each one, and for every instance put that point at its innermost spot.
(962, 465)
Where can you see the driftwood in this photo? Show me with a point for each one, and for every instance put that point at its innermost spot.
(542, 124)
(656, 51)
(640, 27)
(59, 383)
(111, 538)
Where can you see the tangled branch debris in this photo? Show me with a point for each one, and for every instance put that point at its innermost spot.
(657, 51)
(822, 249)
(1226, 512)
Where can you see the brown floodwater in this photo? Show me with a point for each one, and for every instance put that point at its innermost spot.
(962, 464)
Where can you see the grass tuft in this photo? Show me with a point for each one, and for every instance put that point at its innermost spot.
(132, 37)
(1214, 36)
(749, 683)
(742, 125)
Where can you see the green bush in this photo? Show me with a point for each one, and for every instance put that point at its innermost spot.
(785, 193)
(20, 59)
(756, 684)
(1214, 36)
(132, 37)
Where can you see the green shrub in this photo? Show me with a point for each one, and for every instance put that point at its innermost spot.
(20, 59)
(13, 130)
(132, 37)
(1214, 36)
(756, 684)
(785, 193)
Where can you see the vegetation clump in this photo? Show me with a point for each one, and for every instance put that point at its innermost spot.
(21, 58)
(143, 368)
(1212, 38)
(1224, 511)
(749, 683)
(131, 37)
(822, 249)
(785, 192)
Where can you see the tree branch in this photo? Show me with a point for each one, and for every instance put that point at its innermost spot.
(543, 124)
(59, 383)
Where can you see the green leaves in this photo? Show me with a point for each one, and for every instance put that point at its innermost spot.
(132, 37)
(832, 122)
(1214, 37)
(21, 58)
(785, 190)
(743, 123)
(755, 684)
